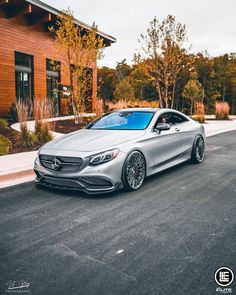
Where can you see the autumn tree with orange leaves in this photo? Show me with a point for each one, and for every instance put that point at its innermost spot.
(162, 57)
(79, 49)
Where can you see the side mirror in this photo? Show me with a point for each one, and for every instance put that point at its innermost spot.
(161, 127)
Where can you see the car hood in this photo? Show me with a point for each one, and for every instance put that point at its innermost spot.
(86, 140)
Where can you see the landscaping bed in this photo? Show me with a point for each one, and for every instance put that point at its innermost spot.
(14, 136)
(10, 139)
(67, 126)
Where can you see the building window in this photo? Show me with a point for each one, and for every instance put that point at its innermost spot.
(53, 81)
(24, 76)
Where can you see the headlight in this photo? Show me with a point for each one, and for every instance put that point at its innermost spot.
(104, 157)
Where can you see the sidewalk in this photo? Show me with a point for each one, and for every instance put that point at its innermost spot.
(213, 127)
(18, 168)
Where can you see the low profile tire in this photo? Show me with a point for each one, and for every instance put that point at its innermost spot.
(198, 151)
(134, 171)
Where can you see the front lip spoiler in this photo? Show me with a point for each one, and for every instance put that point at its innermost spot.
(39, 181)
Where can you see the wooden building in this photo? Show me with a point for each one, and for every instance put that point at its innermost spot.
(26, 48)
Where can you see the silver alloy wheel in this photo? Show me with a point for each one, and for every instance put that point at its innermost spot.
(200, 149)
(135, 170)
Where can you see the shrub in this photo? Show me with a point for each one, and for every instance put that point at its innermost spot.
(222, 111)
(5, 145)
(199, 118)
(27, 138)
(3, 123)
(43, 110)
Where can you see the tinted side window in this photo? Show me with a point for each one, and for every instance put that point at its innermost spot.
(177, 119)
(163, 118)
(171, 118)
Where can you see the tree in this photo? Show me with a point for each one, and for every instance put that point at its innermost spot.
(232, 83)
(193, 92)
(205, 72)
(163, 57)
(124, 90)
(79, 49)
(107, 80)
(123, 70)
(143, 87)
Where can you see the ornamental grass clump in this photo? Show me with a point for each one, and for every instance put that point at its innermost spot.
(27, 138)
(199, 113)
(43, 111)
(222, 111)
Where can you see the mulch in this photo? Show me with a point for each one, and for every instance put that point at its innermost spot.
(14, 137)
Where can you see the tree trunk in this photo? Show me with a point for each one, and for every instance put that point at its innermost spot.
(159, 94)
(203, 95)
(224, 89)
(166, 96)
(173, 96)
(191, 108)
(182, 105)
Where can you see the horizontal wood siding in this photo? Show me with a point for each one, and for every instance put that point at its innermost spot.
(16, 35)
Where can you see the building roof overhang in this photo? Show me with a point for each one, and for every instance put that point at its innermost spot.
(38, 12)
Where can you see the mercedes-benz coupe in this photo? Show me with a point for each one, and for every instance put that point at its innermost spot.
(119, 150)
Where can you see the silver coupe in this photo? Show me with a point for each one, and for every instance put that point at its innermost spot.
(119, 150)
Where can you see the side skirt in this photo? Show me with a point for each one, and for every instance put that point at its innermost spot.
(183, 157)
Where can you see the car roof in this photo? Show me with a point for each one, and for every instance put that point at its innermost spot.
(138, 110)
(155, 110)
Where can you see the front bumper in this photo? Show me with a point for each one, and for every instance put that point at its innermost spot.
(103, 178)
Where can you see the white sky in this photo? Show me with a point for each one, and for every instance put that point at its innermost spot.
(211, 25)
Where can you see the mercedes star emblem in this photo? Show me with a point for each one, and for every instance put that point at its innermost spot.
(56, 164)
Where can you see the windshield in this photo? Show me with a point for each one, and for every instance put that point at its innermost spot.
(123, 121)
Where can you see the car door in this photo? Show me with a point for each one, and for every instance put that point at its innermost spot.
(167, 144)
(187, 133)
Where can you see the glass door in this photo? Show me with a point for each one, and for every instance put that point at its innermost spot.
(23, 86)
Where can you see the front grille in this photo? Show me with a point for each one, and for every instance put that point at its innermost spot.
(92, 183)
(60, 183)
(65, 164)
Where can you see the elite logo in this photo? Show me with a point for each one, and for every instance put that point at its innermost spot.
(224, 276)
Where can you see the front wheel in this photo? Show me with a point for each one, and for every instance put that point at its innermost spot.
(134, 171)
(198, 151)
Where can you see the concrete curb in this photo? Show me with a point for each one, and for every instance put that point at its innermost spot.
(16, 178)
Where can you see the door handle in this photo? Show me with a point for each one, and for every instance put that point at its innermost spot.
(177, 129)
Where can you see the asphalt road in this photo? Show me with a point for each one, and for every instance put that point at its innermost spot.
(167, 238)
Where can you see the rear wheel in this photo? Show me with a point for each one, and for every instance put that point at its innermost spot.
(134, 171)
(198, 151)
